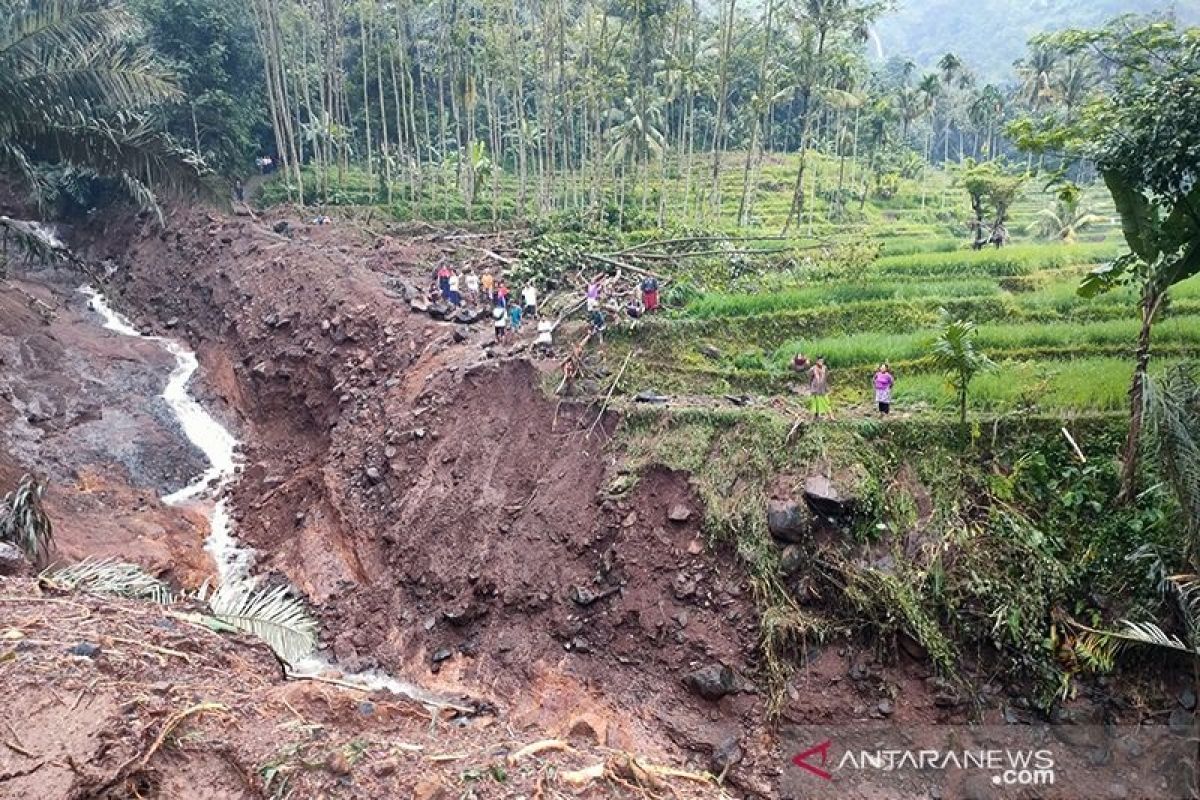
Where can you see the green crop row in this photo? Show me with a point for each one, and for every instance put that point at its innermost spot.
(1015, 260)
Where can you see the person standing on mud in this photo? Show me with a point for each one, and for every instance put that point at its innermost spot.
(443, 277)
(883, 389)
(499, 322)
(502, 295)
(650, 293)
(514, 312)
(489, 285)
(593, 294)
(472, 288)
(455, 298)
(529, 298)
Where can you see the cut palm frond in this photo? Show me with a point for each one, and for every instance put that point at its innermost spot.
(24, 522)
(108, 576)
(282, 621)
(1172, 433)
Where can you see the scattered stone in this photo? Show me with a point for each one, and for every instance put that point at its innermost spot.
(430, 790)
(373, 475)
(1187, 699)
(12, 560)
(579, 644)
(584, 596)
(826, 498)
(1181, 722)
(684, 585)
(792, 560)
(679, 513)
(695, 547)
(366, 708)
(442, 654)
(726, 755)
(281, 226)
(885, 708)
(711, 682)
(382, 769)
(589, 727)
(788, 521)
(172, 322)
(650, 397)
(459, 336)
(710, 351)
(85, 649)
(337, 763)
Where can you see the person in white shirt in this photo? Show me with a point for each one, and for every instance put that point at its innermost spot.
(472, 288)
(529, 294)
(455, 298)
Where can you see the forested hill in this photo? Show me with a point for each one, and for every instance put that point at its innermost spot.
(992, 33)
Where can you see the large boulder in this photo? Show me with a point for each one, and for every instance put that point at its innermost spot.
(788, 520)
(831, 496)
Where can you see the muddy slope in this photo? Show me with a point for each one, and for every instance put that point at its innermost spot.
(451, 520)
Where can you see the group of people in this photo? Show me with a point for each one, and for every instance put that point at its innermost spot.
(818, 386)
(474, 290)
(635, 308)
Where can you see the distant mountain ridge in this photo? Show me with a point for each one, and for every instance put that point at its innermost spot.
(990, 34)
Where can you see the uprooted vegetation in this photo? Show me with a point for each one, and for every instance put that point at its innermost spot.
(147, 702)
(991, 559)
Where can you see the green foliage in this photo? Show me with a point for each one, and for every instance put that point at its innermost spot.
(1173, 435)
(23, 520)
(77, 90)
(954, 352)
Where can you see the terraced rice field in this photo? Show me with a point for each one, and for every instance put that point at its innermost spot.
(1053, 350)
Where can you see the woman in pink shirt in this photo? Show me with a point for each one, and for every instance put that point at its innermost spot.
(883, 388)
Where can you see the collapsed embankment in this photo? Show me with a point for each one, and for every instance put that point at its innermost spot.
(451, 522)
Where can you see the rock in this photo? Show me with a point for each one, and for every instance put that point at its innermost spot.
(711, 682)
(1181, 722)
(85, 649)
(885, 708)
(383, 769)
(442, 654)
(710, 352)
(583, 596)
(373, 475)
(171, 323)
(459, 336)
(725, 755)
(788, 521)
(684, 585)
(579, 644)
(649, 396)
(827, 499)
(679, 513)
(430, 790)
(1187, 699)
(792, 560)
(281, 226)
(590, 727)
(13, 561)
(337, 763)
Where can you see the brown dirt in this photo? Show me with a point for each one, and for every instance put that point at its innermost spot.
(166, 708)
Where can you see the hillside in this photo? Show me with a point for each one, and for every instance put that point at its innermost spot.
(991, 34)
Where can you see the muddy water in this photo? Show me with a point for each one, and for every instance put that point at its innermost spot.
(234, 562)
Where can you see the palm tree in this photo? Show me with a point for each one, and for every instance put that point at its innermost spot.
(954, 353)
(74, 91)
(1066, 217)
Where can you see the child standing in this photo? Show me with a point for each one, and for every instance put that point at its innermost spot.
(514, 311)
(883, 388)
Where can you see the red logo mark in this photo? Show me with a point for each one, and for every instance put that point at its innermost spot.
(801, 760)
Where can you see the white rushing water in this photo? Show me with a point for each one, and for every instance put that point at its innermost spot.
(206, 433)
(234, 562)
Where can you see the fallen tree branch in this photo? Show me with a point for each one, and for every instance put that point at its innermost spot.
(541, 746)
(611, 389)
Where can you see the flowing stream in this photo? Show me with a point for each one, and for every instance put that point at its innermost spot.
(234, 562)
